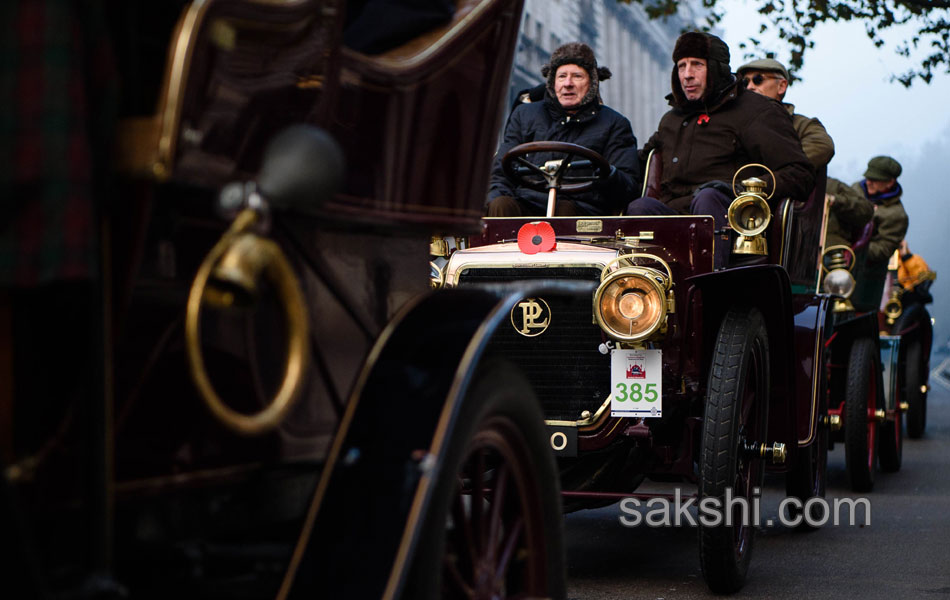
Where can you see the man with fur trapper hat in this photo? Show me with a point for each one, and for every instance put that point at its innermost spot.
(570, 111)
(715, 127)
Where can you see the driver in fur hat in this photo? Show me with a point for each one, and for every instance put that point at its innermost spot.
(716, 126)
(570, 111)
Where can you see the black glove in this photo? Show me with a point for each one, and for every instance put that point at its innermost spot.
(610, 175)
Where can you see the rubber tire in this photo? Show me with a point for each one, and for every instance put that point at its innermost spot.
(890, 450)
(808, 478)
(915, 375)
(500, 399)
(859, 450)
(742, 336)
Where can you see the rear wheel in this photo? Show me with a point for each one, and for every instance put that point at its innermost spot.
(891, 440)
(495, 524)
(736, 415)
(860, 424)
(915, 378)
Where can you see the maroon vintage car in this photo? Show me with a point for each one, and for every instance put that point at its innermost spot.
(667, 370)
(879, 362)
(288, 410)
(904, 314)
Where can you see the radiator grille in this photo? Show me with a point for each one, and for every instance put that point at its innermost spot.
(564, 365)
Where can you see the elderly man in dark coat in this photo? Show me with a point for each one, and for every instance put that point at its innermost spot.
(571, 111)
(715, 127)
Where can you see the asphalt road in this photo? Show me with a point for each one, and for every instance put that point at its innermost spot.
(903, 553)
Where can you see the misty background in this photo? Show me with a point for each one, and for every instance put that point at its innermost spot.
(846, 84)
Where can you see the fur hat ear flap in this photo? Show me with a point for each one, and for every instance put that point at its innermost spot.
(603, 73)
(545, 71)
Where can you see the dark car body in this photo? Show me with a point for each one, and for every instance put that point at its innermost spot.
(271, 421)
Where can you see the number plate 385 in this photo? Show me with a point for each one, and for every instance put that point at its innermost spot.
(636, 383)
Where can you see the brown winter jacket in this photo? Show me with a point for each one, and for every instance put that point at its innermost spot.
(739, 128)
(816, 143)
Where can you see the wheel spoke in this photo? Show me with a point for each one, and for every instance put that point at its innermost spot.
(535, 169)
(465, 539)
(478, 501)
(456, 577)
(562, 167)
(514, 535)
(496, 521)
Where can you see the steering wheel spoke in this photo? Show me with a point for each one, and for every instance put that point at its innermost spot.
(600, 168)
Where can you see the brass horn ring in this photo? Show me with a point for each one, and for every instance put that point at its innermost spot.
(275, 266)
(744, 167)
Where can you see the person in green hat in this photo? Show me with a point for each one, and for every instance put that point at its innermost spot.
(880, 186)
(849, 211)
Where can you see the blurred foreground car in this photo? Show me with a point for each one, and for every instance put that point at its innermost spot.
(288, 410)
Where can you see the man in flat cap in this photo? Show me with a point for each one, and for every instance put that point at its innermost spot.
(880, 186)
(713, 128)
(890, 221)
(571, 111)
(849, 211)
(769, 77)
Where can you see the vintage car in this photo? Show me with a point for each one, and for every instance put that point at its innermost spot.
(904, 314)
(878, 364)
(286, 409)
(859, 375)
(667, 369)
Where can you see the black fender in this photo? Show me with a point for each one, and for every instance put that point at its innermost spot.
(363, 525)
(849, 326)
(766, 287)
(813, 332)
(914, 322)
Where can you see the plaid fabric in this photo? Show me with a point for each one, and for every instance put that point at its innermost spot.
(57, 89)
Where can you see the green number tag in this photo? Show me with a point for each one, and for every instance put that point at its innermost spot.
(636, 376)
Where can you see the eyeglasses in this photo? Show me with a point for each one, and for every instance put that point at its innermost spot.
(758, 78)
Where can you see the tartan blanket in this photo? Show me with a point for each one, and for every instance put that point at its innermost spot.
(57, 110)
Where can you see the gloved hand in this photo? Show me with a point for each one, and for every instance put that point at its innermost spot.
(607, 179)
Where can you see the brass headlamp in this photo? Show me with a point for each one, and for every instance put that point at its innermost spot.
(894, 308)
(749, 214)
(836, 264)
(632, 302)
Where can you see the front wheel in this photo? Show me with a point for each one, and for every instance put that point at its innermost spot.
(860, 423)
(494, 529)
(736, 415)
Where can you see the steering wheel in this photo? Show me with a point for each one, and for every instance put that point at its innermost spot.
(555, 177)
